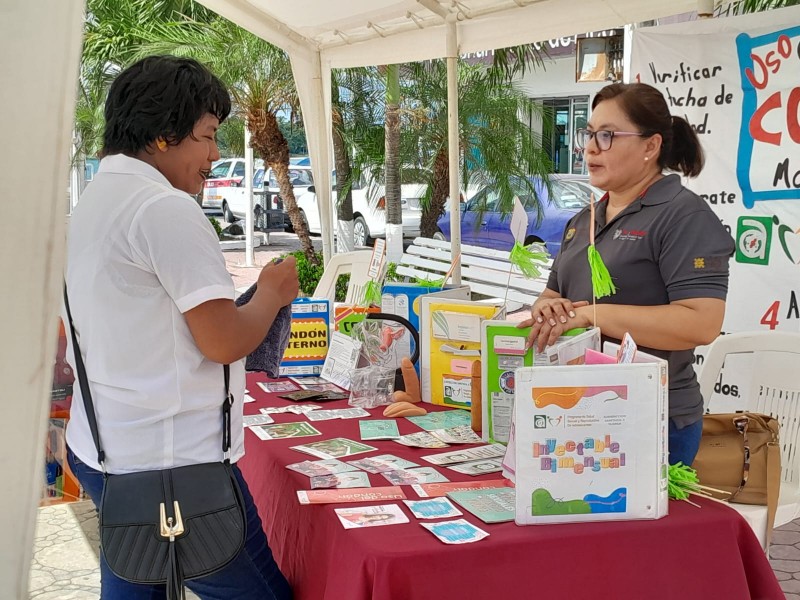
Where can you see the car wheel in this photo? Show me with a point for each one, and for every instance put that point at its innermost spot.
(439, 236)
(227, 214)
(361, 232)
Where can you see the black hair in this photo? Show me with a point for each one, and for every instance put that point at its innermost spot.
(646, 107)
(160, 97)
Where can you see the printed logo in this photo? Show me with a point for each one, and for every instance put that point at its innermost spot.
(753, 240)
(631, 235)
(539, 422)
(617, 233)
(570, 234)
(699, 263)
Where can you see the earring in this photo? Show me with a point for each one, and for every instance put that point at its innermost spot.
(161, 144)
(647, 158)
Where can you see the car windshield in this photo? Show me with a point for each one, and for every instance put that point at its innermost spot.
(571, 195)
(220, 170)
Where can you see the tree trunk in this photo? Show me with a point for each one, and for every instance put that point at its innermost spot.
(270, 143)
(341, 159)
(394, 211)
(439, 192)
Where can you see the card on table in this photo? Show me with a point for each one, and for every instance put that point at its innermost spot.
(352, 479)
(280, 431)
(442, 419)
(495, 505)
(433, 490)
(457, 456)
(381, 463)
(479, 467)
(302, 395)
(461, 434)
(310, 380)
(350, 495)
(248, 398)
(371, 516)
(334, 448)
(422, 439)
(381, 429)
(433, 508)
(273, 387)
(337, 413)
(262, 419)
(313, 468)
(411, 476)
(456, 532)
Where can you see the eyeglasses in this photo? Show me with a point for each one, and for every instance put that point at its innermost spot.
(603, 138)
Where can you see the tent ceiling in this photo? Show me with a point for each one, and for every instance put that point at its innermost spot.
(369, 32)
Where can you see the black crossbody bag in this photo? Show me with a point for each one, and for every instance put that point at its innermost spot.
(164, 527)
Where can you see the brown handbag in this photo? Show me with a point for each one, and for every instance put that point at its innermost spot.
(740, 454)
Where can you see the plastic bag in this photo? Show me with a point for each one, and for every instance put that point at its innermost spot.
(371, 386)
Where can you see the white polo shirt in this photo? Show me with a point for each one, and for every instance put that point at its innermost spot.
(140, 254)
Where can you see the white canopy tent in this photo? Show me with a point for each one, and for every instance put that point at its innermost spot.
(41, 43)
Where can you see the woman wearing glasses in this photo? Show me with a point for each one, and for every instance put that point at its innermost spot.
(666, 251)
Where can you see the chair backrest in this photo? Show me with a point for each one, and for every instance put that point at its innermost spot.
(773, 387)
(356, 264)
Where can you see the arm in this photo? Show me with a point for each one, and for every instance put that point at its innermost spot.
(550, 314)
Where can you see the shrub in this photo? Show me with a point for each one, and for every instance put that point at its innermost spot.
(309, 275)
(215, 224)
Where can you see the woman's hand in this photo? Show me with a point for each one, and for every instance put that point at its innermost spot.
(280, 278)
(550, 318)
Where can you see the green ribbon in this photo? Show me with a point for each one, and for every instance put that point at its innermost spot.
(528, 261)
(601, 279)
(682, 481)
(372, 293)
(430, 283)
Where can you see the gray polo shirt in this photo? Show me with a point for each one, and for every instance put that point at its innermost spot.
(667, 245)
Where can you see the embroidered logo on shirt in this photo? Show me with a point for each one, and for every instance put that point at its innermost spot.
(714, 264)
(699, 263)
(570, 234)
(629, 234)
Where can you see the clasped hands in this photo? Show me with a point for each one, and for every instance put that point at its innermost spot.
(551, 317)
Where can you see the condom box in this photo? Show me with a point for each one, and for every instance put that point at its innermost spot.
(308, 341)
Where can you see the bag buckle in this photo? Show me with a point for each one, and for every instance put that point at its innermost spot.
(171, 527)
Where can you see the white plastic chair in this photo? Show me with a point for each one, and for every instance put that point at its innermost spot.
(356, 264)
(774, 389)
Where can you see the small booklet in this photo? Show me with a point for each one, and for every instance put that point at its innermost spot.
(312, 468)
(353, 479)
(333, 448)
(382, 429)
(456, 532)
(433, 490)
(273, 387)
(381, 463)
(350, 495)
(279, 431)
(443, 419)
(479, 467)
(410, 476)
(490, 506)
(458, 456)
(371, 516)
(250, 420)
(422, 439)
(461, 434)
(433, 508)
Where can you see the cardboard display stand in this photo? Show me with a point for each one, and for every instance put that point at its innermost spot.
(308, 342)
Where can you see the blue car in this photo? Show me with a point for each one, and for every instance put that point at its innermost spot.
(482, 224)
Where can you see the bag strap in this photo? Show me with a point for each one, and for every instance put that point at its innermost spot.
(88, 405)
(773, 486)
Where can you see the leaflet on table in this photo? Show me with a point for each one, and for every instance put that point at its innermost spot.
(456, 532)
(280, 431)
(272, 387)
(371, 516)
(351, 479)
(341, 360)
(503, 352)
(421, 439)
(591, 441)
(350, 495)
(381, 463)
(308, 340)
(442, 419)
(458, 456)
(378, 429)
(433, 508)
(478, 467)
(337, 413)
(403, 300)
(462, 434)
(432, 490)
(334, 448)
(297, 409)
(410, 476)
(250, 420)
(313, 468)
(494, 505)
(450, 340)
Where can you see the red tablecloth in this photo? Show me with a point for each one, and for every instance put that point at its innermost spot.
(704, 553)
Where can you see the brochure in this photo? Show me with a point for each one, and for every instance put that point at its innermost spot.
(280, 431)
(371, 516)
(337, 413)
(334, 448)
(456, 532)
(382, 429)
(381, 463)
(410, 476)
(313, 468)
(442, 419)
(341, 359)
(274, 387)
(350, 495)
(479, 467)
(434, 508)
(458, 456)
(353, 479)
(494, 505)
(462, 434)
(422, 439)
(432, 490)
(250, 420)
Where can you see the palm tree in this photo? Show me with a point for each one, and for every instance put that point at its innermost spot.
(394, 246)
(740, 7)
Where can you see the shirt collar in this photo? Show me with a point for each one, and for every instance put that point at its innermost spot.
(121, 163)
(663, 190)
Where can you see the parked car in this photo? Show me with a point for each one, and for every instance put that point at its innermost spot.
(482, 223)
(369, 211)
(225, 173)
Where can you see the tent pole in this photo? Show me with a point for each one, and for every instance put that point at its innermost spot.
(248, 191)
(452, 143)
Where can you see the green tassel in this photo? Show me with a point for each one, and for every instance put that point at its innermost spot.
(430, 283)
(372, 293)
(601, 278)
(527, 260)
(682, 481)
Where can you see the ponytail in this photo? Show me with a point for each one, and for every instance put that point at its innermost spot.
(684, 154)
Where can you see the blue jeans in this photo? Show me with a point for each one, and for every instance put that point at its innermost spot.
(253, 575)
(684, 443)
